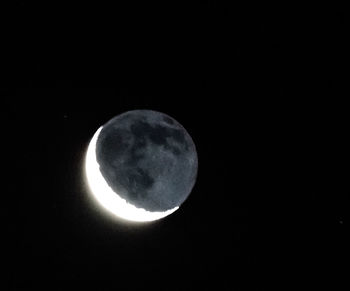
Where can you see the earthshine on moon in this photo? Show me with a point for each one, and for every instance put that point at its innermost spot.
(141, 165)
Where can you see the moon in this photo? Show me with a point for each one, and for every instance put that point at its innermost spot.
(141, 165)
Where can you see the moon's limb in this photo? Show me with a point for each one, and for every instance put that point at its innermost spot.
(107, 197)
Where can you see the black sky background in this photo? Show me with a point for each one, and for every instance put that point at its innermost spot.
(259, 89)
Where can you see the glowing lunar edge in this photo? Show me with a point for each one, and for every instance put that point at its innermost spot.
(107, 197)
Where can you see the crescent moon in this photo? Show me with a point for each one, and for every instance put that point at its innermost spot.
(109, 199)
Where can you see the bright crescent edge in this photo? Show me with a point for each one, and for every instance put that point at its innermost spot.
(109, 199)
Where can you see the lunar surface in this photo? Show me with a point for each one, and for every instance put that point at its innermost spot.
(141, 165)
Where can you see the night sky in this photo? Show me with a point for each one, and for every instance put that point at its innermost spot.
(259, 91)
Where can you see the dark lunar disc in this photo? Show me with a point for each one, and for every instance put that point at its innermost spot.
(148, 159)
